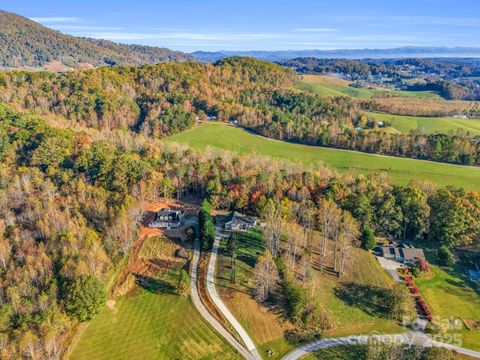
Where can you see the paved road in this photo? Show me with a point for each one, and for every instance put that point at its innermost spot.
(416, 338)
(204, 312)
(222, 307)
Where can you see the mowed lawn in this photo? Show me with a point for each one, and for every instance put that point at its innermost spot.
(331, 86)
(400, 170)
(449, 294)
(151, 326)
(429, 125)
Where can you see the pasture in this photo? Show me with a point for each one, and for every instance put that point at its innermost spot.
(429, 125)
(400, 170)
(331, 86)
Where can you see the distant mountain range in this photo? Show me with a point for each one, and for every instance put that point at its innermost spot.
(25, 43)
(401, 52)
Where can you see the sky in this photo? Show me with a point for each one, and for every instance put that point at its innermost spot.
(212, 25)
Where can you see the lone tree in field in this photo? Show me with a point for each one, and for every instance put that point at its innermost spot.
(266, 276)
(85, 297)
(400, 303)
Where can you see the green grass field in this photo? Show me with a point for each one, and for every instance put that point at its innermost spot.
(331, 87)
(151, 326)
(400, 170)
(429, 125)
(450, 294)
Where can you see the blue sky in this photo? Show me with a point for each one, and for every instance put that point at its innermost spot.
(190, 25)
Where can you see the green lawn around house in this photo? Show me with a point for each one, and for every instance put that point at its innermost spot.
(451, 295)
(400, 170)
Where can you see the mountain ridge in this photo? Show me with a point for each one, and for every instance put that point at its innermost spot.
(25, 43)
(398, 52)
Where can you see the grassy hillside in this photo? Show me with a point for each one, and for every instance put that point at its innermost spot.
(331, 86)
(150, 326)
(429, 125)
(268, 325)
(400, 170)
(148, 319)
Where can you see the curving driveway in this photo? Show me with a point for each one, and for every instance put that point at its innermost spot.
(411, 338)
(203, 310)
(222, 307)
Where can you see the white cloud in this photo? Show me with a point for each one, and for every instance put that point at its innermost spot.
(85, 28)
(183, 36)
(56, 19)
(317, 30)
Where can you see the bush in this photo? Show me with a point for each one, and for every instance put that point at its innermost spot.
(445, 256)
(85, 297)
(368, 238)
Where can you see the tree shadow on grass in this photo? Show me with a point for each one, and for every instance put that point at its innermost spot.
(153, 285)
(370, 299)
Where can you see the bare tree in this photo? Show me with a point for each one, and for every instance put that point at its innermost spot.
(328, 217)
(347, 238)
(273, 228)
(266, 276)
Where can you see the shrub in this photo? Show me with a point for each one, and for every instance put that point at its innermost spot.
(445, 256)
(85, 297)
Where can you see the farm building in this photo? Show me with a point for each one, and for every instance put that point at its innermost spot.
(167, 218)
(405, 254)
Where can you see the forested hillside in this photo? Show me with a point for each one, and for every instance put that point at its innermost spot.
(69, 214)
(26, 43)
(163, 99)
(157, 99)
